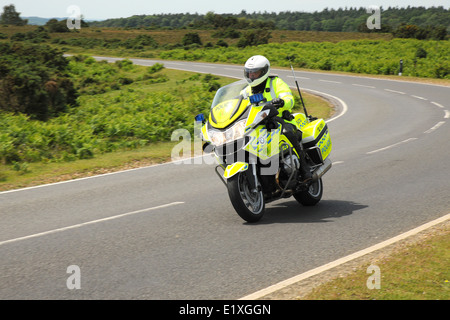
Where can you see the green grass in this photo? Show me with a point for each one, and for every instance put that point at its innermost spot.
(43, 173)
(419, 271)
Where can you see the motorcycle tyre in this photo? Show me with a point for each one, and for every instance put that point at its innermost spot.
(233, 186)
(307, 198)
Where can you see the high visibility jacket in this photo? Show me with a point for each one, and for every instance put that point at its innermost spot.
(277, 88)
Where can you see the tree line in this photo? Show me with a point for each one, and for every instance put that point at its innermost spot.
(411, 22)
(340, 20)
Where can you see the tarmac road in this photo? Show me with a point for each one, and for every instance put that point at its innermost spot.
(170, 232)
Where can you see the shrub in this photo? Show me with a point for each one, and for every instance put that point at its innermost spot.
(254, 38)
(191, 38)
(57, 26)
(155, 68)
(222, 43)
(421, 53)
(34, 81)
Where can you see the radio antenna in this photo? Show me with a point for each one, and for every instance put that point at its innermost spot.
(298, 88)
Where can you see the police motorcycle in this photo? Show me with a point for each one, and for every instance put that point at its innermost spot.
(256, 161)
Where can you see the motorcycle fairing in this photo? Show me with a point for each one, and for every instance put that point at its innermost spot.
(300, 120)
(316, 133)
(234, 168)
(264, 143)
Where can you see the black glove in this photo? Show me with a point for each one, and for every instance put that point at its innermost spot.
(286, 115)
(277, 103)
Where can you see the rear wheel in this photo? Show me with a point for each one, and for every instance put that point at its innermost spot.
(311, 196)
(249, 204)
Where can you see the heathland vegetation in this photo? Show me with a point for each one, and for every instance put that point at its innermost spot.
(118, 106)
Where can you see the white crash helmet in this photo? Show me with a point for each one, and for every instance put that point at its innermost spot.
(256, 70)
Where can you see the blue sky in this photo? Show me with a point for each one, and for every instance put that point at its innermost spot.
(104, 9)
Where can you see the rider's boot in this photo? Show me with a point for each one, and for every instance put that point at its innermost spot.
(305, 169)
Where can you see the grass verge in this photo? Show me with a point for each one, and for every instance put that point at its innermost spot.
(416, 269)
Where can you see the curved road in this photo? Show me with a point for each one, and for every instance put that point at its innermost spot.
(170, 232)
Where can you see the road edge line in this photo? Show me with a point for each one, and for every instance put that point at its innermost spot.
(282, 284)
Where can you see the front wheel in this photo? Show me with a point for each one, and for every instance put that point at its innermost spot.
(249, 204)
(311, 196)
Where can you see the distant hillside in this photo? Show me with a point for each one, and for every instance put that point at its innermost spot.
(38, 21)
(341, 20)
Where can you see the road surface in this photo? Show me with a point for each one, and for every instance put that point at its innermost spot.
(170, 232)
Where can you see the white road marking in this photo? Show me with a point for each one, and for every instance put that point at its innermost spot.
(298, 77)
(437, 104)
(447, 114)
(338, 262)
(330, 81)
(362, 85)
(417, 97)
(341, 102)
(392, 145)
(395, 91)
(435, 127)
(88, 223)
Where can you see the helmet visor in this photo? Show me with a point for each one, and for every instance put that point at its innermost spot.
(252, 74)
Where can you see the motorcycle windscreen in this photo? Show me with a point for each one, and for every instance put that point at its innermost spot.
(226, 112)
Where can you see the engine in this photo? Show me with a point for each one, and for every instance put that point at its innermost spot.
(289, 169)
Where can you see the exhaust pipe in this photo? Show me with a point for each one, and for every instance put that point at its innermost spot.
(322, 170)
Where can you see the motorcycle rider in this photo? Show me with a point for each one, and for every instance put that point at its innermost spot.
(278, 93)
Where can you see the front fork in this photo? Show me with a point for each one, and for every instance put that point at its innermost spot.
(253, 178)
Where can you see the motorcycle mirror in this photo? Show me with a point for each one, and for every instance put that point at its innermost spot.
(200, 118)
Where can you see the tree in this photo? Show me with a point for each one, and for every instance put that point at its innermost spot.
(34, 80)
(254, 38)
(54, 25)
(406, 31)
(413, 31)
(10, 16)
(191, 38)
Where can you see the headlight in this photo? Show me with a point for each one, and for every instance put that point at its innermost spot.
(221, 137)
